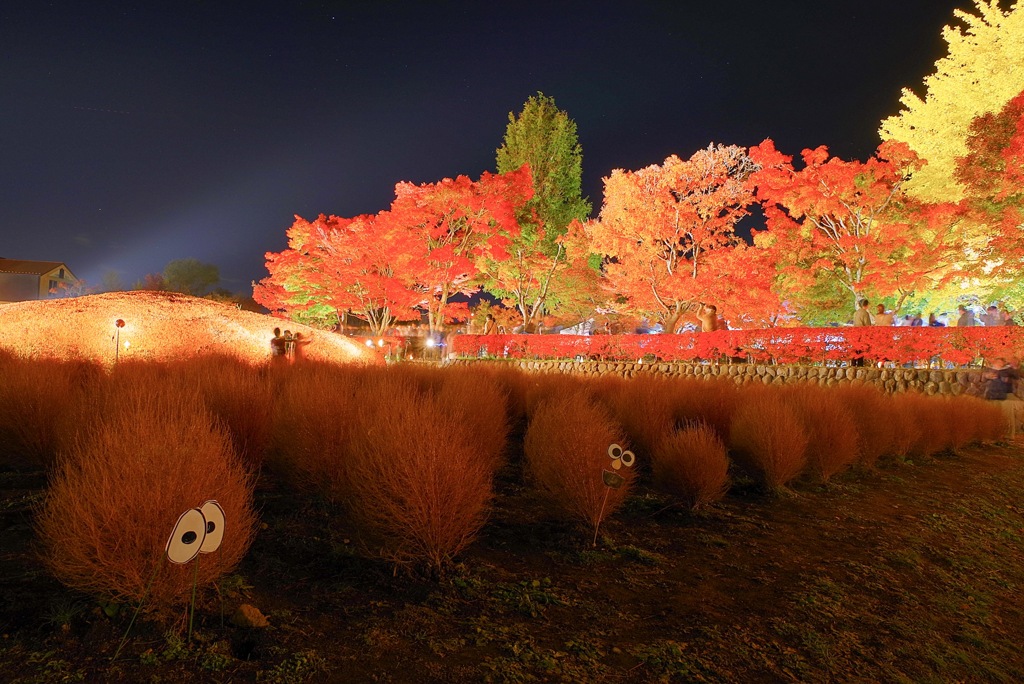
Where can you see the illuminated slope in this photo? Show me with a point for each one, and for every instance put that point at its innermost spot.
(157, 326)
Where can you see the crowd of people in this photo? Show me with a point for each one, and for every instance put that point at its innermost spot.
(994, 315)
(286, 347)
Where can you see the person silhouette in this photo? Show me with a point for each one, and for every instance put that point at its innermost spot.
(298, 342)
(278, 347)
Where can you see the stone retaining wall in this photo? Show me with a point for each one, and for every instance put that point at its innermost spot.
(927, 381)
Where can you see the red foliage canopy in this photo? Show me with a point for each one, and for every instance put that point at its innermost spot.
(849, 223)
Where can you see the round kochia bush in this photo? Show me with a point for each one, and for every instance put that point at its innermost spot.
(768, 439)
(420, 469)
(116, 495)
(692, 465)
(566, 449)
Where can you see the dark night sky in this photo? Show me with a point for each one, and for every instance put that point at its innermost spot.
(132, 134)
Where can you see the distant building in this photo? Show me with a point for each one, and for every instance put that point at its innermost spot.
(22, 280)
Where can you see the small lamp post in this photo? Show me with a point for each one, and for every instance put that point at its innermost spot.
(118, 324)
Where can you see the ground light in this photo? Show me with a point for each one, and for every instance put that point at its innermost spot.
(118, 324)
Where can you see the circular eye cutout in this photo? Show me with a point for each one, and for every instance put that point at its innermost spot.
(214, 515)
(615, 451)
(186, 537)
(628, 459)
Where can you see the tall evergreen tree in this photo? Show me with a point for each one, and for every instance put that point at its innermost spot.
(543, 137)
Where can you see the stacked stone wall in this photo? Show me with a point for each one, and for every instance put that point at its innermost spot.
(924, 380)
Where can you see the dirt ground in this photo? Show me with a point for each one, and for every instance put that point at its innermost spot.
(909, 573)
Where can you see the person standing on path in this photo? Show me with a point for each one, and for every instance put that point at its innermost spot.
(862, 317)
(882, 318)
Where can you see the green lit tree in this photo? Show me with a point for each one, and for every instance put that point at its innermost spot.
(190, 276)
(542, 137)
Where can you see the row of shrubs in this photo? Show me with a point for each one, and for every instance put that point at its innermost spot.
(409, 454)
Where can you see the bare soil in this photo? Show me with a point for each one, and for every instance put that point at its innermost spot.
(908, 573)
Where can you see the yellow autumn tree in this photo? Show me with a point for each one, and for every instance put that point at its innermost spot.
(981, 73)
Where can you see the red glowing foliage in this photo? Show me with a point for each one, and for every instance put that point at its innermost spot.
(427, 247)
(848, 226)
(781, 345)
(453, 226)
(993, 174)
(668, 236)
(356, 265)
(994, 165)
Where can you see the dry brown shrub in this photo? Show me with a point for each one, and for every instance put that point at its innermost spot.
(692, 465)
(768, 438)
(425, 378)
(711, 402)
(241, 396)
(991, 421)
(35, 402)
(832, 437)
(514, 384)
(420, 483)
(566, 449)
(906, 431)
(314, 412)
(961, 419)
(870, 412)
(117, 494)
(541, 386)
(928, 415)
(644, 408)
(481, 406)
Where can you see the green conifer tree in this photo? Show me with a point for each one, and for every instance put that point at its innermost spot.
(544, 136)
(534, 277)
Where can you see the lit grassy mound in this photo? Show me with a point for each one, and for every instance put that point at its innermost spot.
(157, 326)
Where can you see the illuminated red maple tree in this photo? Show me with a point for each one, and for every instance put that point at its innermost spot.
(384, 267)
(665, 231)
(993, 174)
(846, 230)
(450, 228)
(336, 264)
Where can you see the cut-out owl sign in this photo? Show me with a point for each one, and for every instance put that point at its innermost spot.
(198, 530)
(620, 458)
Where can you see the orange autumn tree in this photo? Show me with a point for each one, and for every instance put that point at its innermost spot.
(665, 229)
(844, 230)
(337, 265)
(992, 173)
(452, 227)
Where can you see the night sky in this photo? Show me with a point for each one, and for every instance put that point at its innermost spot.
(132, 134)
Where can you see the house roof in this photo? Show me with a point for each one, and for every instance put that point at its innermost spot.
(31, 267)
